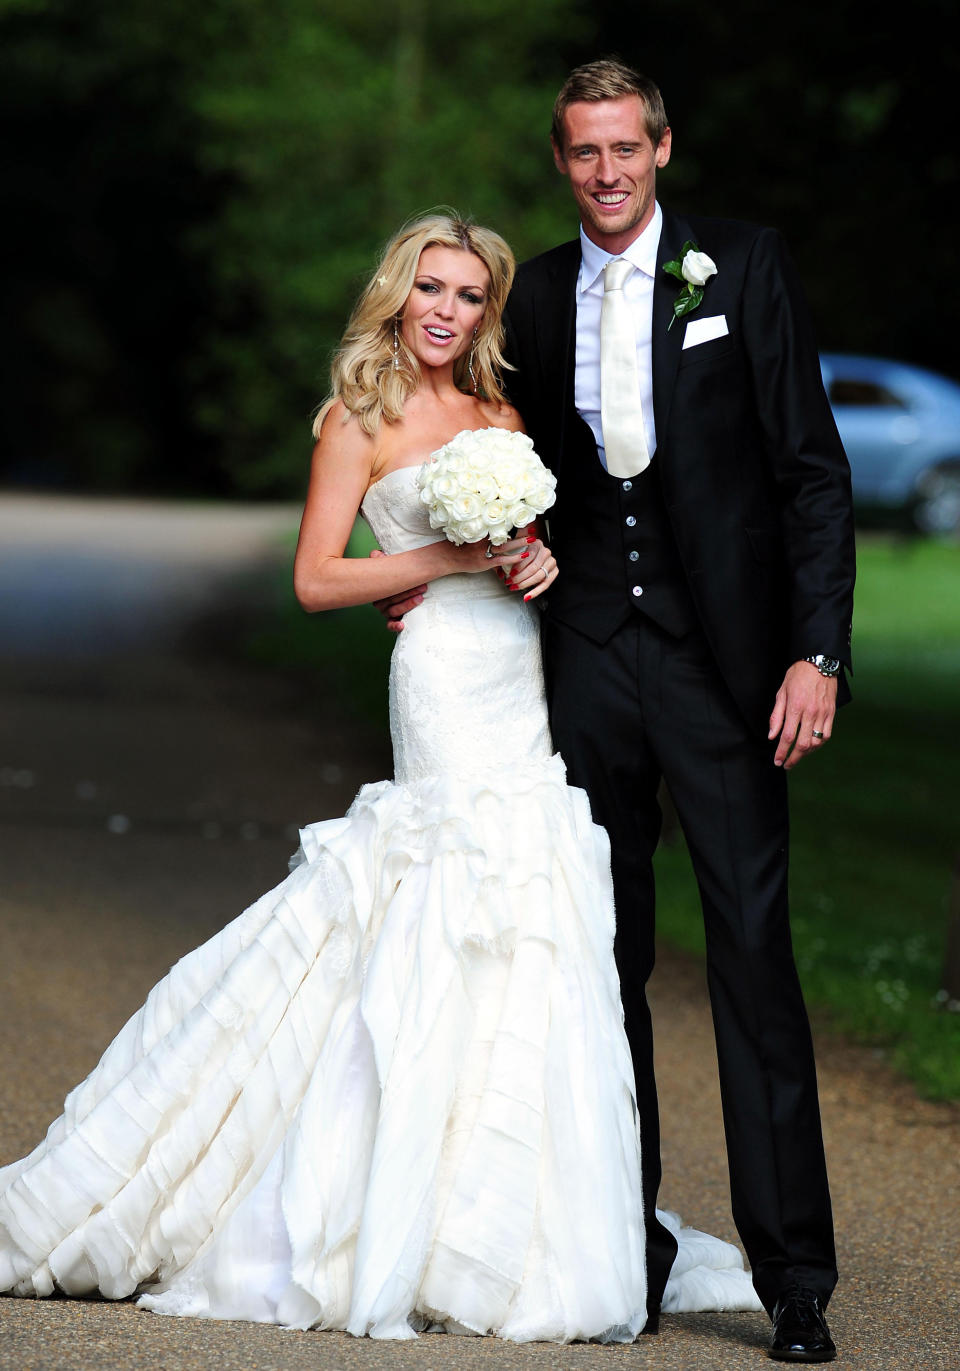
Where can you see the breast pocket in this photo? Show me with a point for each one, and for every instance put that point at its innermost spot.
(712, 351)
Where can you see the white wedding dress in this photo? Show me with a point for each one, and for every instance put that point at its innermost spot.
(395, 1092)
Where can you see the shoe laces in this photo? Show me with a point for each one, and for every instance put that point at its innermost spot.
(806, 1300)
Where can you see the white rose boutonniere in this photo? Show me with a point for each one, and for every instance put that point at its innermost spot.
(483, 483)
(694, 268)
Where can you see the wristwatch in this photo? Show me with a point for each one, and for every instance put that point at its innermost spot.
(827, 666)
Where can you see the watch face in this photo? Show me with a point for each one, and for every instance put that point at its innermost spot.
(828, 665)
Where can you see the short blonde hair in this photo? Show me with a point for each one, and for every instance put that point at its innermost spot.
(363, 375)
(609, 79)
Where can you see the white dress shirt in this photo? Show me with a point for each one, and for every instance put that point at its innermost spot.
(638, 292)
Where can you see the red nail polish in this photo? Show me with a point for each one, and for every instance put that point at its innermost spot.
(526, 597)
(524, 554)
(532, 538)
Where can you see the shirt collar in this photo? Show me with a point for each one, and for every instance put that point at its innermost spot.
(642, 252)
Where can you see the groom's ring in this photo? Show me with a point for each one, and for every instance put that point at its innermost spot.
(816, 734)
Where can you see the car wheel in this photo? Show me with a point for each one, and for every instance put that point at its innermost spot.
(937, 507)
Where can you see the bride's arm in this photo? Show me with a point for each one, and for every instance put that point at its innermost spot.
(323, 578)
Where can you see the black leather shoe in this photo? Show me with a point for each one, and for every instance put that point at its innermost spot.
(800, 1331)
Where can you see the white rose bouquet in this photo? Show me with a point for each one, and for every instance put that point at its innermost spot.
(484, 483)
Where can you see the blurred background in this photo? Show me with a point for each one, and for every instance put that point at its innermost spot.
(192, 194)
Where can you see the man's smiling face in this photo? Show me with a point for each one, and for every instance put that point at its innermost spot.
(612, 165)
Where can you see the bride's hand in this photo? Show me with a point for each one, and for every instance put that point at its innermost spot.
(394, 607)
(483, 556)
(536, 571)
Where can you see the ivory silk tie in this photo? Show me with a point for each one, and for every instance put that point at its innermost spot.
(621, 410)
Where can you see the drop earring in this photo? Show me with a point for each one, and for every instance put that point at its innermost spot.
(473, 348)
(396, 347)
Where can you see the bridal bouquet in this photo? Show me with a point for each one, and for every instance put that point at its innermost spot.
(483, 483)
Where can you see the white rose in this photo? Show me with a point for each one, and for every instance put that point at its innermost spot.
(511, 489)
(488, 487)
(444, 487)
(541, 497)
(472, 530)
(520, 514)
(498, 533)
(697, 268)
(465, 506)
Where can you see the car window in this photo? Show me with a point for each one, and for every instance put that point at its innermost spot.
(845, 391)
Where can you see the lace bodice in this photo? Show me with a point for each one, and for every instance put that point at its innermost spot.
(466, 684)
(394, 512)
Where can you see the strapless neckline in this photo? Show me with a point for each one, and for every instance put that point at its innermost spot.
(394, 471)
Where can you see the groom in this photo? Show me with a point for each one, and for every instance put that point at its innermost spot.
(699, 627)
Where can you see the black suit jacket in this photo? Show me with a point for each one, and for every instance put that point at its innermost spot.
(754, 476)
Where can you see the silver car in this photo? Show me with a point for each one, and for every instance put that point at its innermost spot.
(900, 426)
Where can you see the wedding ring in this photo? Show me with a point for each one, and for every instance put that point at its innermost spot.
(490, 553)
(816, 734)
(543, 573)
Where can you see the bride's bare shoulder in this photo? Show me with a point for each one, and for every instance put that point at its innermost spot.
(502, 415)
(344, 455)
(342, 435)
(339, 422)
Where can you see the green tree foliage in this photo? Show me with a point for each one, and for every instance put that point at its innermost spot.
(195, 192)
(104, 306)
(339, 130)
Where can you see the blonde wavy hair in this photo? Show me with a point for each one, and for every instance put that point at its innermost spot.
(363, 374)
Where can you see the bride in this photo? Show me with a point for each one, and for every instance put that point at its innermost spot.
(396, 1092)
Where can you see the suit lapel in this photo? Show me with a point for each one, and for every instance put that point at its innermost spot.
(556, 330)
(666, 342)
(556, 318)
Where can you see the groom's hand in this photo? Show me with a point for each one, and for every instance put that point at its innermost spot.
(395, 606)
(803, 713)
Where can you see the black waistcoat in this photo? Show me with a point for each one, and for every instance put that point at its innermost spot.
(615, 548)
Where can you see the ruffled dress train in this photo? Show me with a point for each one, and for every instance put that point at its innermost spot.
(396, 1092)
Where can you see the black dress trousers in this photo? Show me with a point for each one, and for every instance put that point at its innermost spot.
(645, 705)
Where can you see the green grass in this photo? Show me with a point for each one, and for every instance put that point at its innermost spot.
(876, 825)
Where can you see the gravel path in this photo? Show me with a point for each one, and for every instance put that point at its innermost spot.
(148, 792)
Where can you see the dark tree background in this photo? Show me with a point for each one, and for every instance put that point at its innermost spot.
(192, 192)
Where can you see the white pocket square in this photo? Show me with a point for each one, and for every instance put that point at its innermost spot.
(702, 330)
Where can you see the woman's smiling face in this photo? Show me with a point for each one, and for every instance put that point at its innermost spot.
(445, 305)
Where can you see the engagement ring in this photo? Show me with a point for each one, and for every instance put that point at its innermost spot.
(816, 734)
